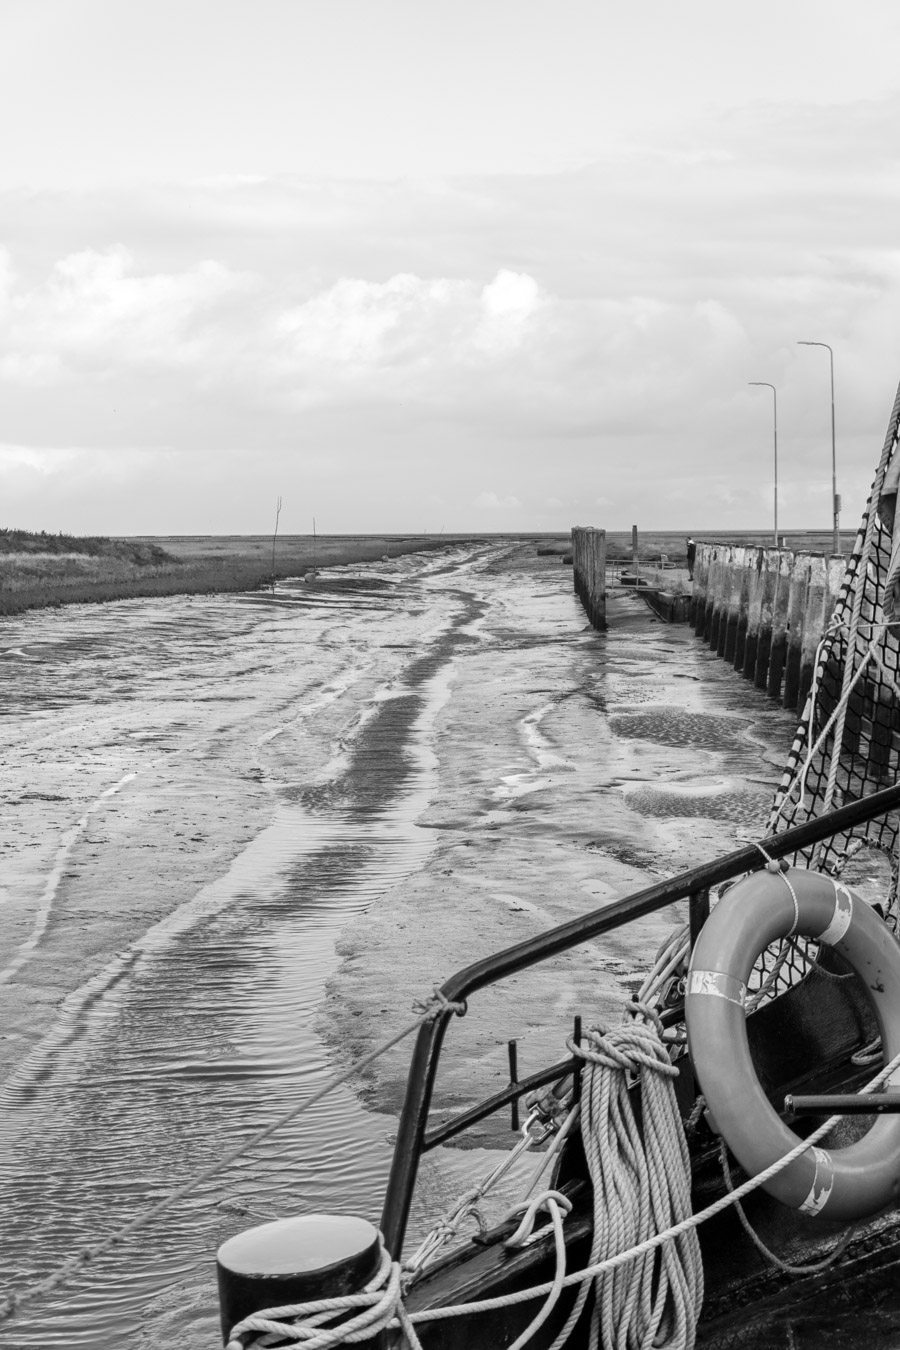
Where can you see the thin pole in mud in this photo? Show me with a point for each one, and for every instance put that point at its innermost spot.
(274, 537)
(314, 543)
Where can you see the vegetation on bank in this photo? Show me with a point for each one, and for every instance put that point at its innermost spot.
(140, 553)
(39, 570)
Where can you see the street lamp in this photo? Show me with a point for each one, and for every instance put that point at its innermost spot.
(835, 499)
(766, 384)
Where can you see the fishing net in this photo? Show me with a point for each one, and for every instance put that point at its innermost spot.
(847, 744)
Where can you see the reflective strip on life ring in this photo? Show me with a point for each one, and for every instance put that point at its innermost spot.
(843, 1183)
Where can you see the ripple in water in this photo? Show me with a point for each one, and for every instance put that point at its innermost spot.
(202, 1033)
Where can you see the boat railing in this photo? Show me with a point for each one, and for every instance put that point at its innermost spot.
(413, 1136)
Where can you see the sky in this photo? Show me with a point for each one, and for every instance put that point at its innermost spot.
(415, 265)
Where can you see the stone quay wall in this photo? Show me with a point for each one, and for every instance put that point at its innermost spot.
(765, 610)
(589, 569)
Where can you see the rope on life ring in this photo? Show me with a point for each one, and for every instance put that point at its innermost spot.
(842, 1183)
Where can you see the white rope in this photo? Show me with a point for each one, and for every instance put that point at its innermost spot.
(400, 1318)
(449, 1224)
(642, 1183)
(557, 1205)
(836, 716)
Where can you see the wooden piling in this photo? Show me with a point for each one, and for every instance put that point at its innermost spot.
(725, 600)
(715, 605)
(733, 603)
(756, 585)
(704, 620)
(698, 594)
(796, 613)
(813, 625)
(589, 572)
(765, 610)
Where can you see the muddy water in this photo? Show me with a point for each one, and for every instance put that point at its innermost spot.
(240, 834)
(312, 712)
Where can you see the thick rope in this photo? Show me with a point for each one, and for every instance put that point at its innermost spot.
(642, 1182)
(449, 1224)
(400, 1318)
(434, 1007)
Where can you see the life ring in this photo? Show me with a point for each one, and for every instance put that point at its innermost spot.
(843, 1183)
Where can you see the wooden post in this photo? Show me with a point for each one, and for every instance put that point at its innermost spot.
(756, 587)
(635, 562)
(796, 613)
(714, 605)
(813, 625)
(784, 562)
(698, 594)
(725, 600)
(589, 572)
(733, 611)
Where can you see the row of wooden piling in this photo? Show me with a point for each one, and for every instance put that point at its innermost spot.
(765, 611)
(589, 569)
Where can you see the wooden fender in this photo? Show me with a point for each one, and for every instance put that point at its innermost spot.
(844, 1183)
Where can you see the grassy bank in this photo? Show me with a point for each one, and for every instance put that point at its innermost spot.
(38, 570)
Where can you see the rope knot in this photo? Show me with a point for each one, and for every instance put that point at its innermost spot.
(438, 1004)
(548, 1200)
(629, 1049)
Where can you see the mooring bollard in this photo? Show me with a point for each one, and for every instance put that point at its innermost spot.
(294, 1261)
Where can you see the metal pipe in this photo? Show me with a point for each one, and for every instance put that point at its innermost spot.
(835, 499)
(845, 1104)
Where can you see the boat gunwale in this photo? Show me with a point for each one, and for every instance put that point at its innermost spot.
(411, 1139)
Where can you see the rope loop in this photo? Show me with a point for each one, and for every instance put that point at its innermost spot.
(529, 1212)
(629, 1048)
(434, 1007)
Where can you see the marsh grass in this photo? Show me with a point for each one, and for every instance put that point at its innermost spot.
(42, 570)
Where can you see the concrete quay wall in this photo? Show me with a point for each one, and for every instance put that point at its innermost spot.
(764, 610)
(589, 570)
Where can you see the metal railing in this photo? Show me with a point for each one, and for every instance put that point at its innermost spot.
(413, 1138)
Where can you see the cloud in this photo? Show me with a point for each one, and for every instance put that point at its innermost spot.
(491, 501)
(392, 343)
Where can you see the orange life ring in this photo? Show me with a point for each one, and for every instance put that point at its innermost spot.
(843, 1183)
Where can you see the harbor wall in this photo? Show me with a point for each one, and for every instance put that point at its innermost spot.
(764, 610)
(589, 569)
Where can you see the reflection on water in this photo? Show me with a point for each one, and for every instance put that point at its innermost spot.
(198, 794)
(201, 1030)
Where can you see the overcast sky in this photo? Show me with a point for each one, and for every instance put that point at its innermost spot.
(413, 264)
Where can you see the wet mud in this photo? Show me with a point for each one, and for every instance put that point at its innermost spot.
(243, 834)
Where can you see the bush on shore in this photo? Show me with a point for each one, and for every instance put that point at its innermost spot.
(93, 546)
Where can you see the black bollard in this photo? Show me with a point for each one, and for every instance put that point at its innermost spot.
(294, 1261)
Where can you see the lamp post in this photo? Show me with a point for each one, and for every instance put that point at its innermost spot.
(765, 384)
(835, 499)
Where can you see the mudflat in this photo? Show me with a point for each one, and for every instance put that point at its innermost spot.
(196, 784)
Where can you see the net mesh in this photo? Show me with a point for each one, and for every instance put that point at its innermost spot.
(847, 743)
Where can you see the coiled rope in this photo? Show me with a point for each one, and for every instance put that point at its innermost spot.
(385, 1292)
(642, 1185)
